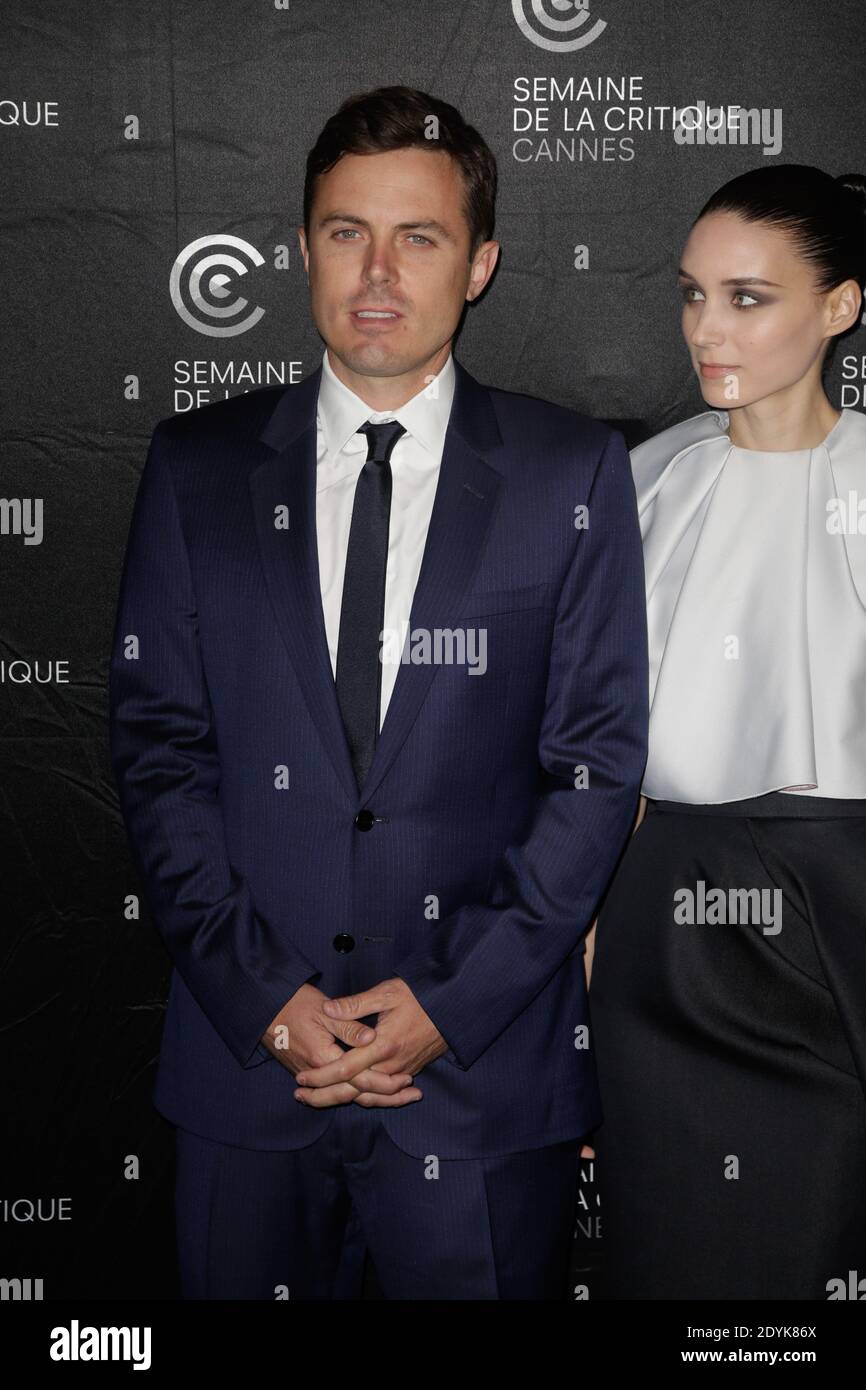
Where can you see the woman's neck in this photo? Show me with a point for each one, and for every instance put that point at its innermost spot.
(781, 425)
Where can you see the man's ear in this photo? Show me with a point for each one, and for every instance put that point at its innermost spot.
(483, 265)
(305, 252)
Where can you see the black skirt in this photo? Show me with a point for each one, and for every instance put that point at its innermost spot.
(729, 1029)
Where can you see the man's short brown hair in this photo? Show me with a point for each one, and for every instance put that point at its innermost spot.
(396, 118)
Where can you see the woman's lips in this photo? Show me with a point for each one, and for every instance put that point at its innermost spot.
(713, 369)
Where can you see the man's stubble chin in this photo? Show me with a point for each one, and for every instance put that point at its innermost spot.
(373, 359)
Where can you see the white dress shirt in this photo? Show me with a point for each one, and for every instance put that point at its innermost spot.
(415, 459)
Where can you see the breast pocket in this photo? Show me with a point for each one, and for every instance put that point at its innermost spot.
(489, 601)
(512, 626)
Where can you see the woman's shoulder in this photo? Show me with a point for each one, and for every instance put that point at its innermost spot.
(849, 434)
(713, 424)
(710, 424)
(652, 460)
(843, 512)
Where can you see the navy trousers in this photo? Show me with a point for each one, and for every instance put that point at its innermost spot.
(298, 1223)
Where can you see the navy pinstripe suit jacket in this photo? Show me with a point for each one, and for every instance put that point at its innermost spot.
(490, 849)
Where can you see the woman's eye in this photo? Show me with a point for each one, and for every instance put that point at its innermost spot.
(691, 295)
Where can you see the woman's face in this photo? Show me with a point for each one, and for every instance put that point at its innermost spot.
(753, 319)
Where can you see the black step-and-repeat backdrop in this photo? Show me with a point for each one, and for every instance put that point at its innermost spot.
(152, 171)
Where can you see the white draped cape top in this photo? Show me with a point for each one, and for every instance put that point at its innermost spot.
(756, 600)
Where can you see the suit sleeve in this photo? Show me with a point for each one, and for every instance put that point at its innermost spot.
(240, 968)
(488, 961)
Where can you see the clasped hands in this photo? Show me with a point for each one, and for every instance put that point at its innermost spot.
(381, 1062)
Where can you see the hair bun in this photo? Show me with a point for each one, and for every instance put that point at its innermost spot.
(856, 184)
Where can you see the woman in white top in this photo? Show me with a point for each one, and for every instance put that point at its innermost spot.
(728, 992)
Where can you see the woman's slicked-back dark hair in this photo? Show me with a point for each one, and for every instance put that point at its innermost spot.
(396, 118)
(825, 218)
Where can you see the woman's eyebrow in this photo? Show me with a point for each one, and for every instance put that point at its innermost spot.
(740, 280)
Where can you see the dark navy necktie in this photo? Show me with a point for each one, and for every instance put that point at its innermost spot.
(362, 615)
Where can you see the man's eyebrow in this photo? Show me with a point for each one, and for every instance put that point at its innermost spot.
(741, 280)
(424, 224)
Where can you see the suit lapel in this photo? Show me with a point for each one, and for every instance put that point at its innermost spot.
(459, 525)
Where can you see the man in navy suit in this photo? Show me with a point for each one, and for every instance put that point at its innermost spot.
(378, 723)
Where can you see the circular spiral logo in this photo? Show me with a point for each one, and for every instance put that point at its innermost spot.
(200, 280)
(558, 38)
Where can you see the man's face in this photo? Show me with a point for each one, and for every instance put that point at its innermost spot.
(388, 233)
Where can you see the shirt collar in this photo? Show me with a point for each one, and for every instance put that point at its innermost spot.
(425, 416)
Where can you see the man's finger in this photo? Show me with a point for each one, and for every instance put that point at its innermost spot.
(350, 1031)
(357, 1005)
(382, 1082)
(343, 1094)
(349, 1064)
(377, 1102)
(321, 1098)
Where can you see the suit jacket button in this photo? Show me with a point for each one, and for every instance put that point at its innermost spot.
(365, 820)
(343, 942)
